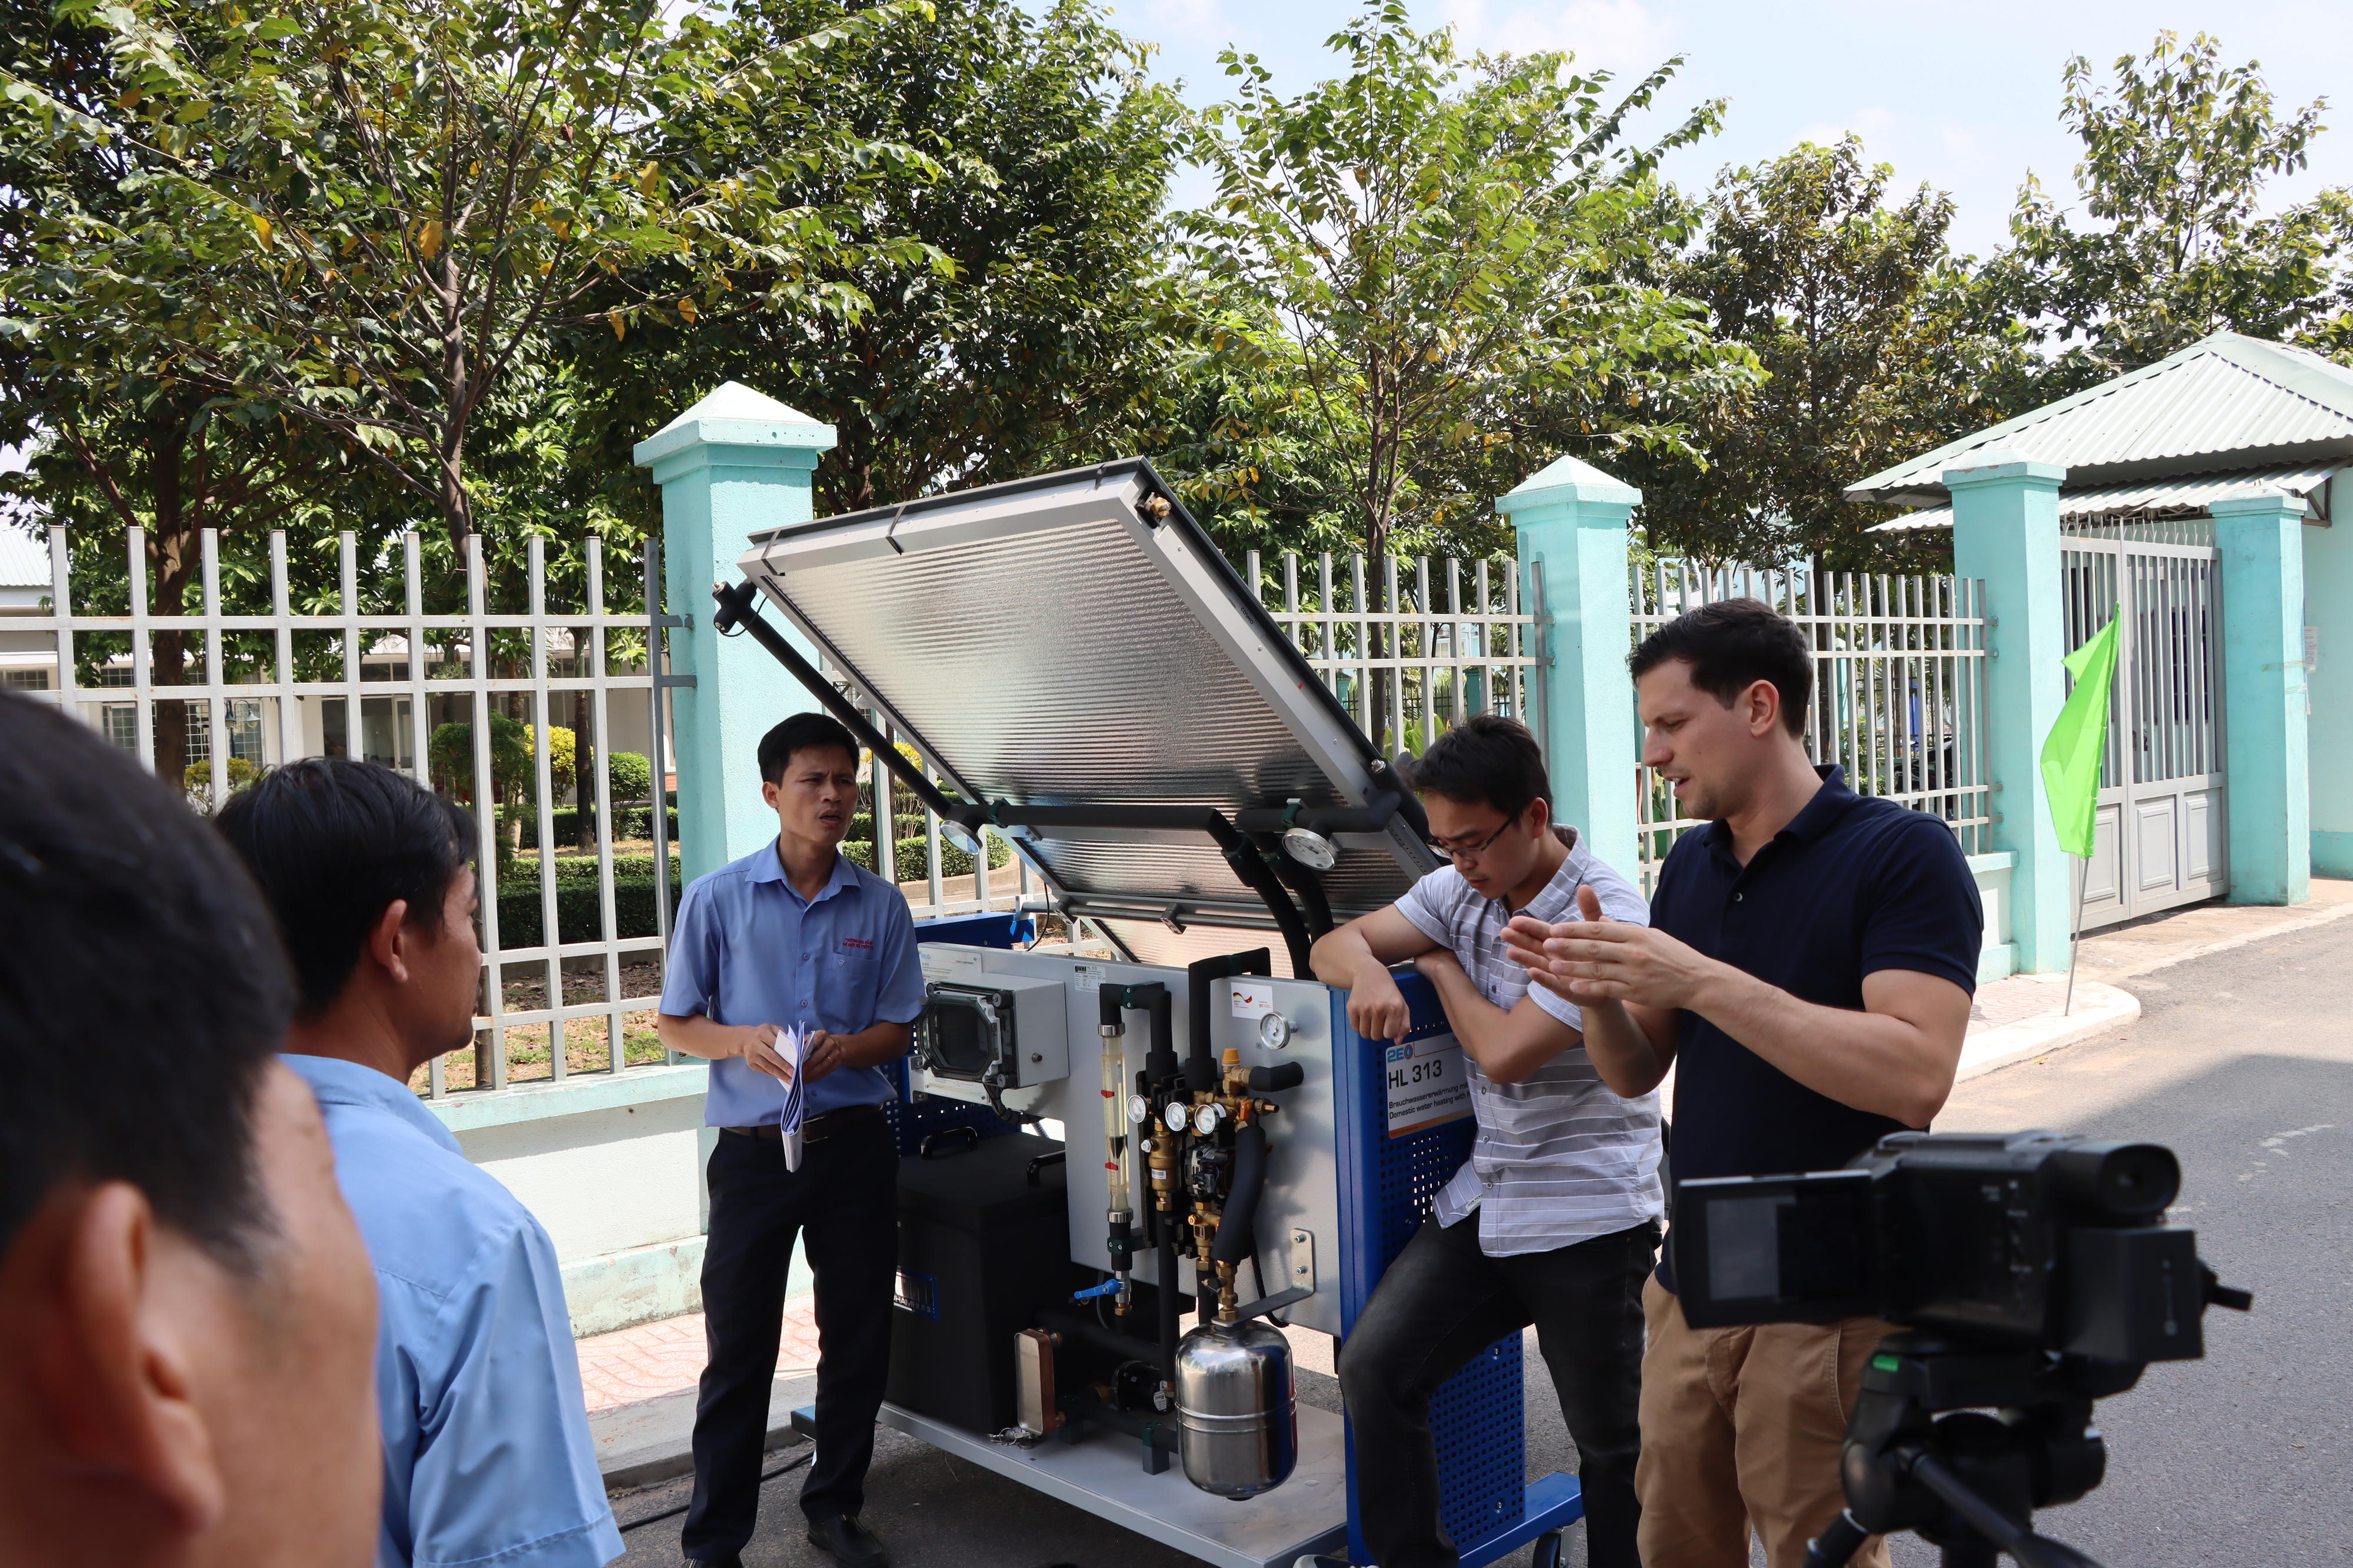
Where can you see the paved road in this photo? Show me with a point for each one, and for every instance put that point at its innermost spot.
(2243, 1062)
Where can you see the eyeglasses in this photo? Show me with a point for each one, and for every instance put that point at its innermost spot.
(1471, 852)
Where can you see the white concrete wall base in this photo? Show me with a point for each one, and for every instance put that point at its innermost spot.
(621, 1289)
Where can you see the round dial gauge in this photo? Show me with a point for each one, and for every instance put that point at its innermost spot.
(1206, 1118)
(1176, 1118)
(1274, 1031)
(1139, 1111)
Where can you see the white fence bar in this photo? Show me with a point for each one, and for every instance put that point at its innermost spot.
(249, 681)
(1441, 662)
(1899, 685)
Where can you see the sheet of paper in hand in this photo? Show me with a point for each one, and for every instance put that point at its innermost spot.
(793, 1045)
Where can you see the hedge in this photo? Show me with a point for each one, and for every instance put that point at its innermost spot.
(629, 822)
(578, 916)
(913, 857)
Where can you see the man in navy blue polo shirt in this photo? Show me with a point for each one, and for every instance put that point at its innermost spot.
(794, 934)
(1807, 972)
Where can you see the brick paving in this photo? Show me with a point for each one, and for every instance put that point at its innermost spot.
(665, 1357)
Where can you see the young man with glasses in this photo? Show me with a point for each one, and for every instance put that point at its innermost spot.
(1554, 1221)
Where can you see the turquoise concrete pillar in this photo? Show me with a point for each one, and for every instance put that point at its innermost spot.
(2006, 532)
(2266, 762)
(2328, 691)
(1571, 519)
(736, 461)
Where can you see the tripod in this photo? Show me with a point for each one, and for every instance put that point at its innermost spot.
(1966, 1481)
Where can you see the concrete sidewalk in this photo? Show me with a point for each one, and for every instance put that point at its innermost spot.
(640, 1382)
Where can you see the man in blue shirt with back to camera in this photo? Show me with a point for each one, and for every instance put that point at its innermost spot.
(487, 1456)
(793, 935)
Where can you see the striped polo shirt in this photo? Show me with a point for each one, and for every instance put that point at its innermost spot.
(1559, 1158)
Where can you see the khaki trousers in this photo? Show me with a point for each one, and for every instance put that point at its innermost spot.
(1740, 1431)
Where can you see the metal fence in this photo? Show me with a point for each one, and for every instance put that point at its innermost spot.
(1899, 685)
(373, 675)
(1456, 637)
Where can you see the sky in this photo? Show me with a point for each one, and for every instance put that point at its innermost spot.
(1965, 98)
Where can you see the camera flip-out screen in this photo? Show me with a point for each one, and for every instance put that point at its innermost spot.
(1774, 1249)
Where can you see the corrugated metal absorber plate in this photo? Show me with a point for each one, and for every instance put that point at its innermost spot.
(1045, 643)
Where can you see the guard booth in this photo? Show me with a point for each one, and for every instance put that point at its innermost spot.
(1079, 670)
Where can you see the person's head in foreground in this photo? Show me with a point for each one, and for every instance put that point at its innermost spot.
(187, 1315)
(1722, 692)
(1483, 788)
(368, 873)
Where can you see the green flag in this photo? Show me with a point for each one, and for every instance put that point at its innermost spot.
(2072, 756)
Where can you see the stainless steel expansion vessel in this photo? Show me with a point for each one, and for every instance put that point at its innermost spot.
(1238, 1415)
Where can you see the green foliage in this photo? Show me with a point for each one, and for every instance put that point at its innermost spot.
(449, 757)
(1432, 250)
(2176, 152)
(361, 222)
(628, 776)
(1857, 312)
(197, 778)
(911, 857)
(1026, 336)
(579, 906)
(628, 823)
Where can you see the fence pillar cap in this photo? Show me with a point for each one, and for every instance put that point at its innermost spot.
(736, 416)
(1997, 464)
(1569, 481)
(2270, 499)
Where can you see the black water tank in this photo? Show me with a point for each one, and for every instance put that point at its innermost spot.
(984, 1242)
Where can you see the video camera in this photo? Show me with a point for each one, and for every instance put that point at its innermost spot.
(2033, 1272)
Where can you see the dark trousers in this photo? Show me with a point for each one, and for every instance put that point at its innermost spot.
(843, 1203)
(1442, 1302)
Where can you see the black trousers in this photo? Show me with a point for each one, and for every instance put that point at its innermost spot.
(1442, 1302)
(843, 1203)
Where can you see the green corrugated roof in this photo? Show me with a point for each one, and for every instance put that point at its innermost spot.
(2226, 402)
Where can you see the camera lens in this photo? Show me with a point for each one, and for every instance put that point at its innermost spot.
(2117, 1183)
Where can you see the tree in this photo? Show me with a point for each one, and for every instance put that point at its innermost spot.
(1040, 340)
(2177, 153)
(365, 218)
(1434, 237)
(1857, 313)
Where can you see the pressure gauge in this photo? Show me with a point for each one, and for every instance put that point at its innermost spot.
(1310, 849)
(1206, 1118)
(1139, 1111)
(1274, 1031)
(1175, 1116)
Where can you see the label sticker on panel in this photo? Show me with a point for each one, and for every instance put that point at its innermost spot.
(1426, 1084)
(1253, 999)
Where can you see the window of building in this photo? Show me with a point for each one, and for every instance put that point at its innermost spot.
(28, 681)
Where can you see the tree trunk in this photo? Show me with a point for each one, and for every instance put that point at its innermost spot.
(583, 750)
(458, 392)
(170, 561)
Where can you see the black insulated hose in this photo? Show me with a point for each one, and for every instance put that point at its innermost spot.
(1238, 1228)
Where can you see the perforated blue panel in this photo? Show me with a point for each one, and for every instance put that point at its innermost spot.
(1386, 1186)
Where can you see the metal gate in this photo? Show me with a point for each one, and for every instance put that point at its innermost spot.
(2159, 837)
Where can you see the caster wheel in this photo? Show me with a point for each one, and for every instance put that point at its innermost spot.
(1548, 1550)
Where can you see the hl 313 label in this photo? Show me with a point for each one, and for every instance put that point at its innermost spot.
(1426, 1085)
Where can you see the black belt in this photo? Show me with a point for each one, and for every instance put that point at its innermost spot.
(816, 1129)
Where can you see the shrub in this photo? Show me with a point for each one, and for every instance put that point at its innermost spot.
(630, 776)
(578, 916)
(197, 779)
(629, 822)
(914, 858)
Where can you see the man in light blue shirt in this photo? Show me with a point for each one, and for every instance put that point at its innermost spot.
(793, 935)
(486, 1457)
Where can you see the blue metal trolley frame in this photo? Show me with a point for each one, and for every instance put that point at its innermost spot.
(1386, 1186)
